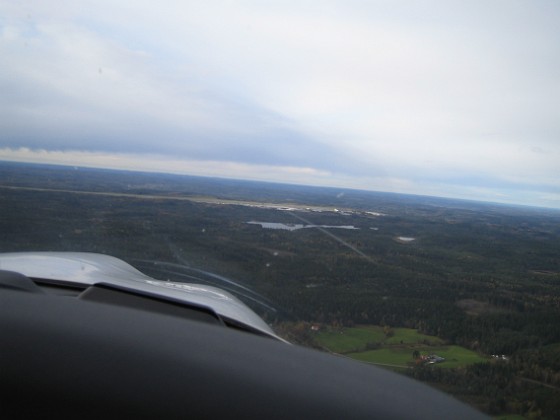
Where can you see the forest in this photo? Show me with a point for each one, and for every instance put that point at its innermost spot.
(480, 275)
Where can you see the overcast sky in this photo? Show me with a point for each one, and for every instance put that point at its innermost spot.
(445, 98)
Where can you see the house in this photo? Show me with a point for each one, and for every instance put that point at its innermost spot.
(431, 359)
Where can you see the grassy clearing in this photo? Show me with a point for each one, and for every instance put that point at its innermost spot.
(346, 340)
(390, 356)
(410, 336)
(456, 356)
(370, 343)
(350, 340)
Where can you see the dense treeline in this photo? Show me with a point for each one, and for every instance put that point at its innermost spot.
(496, 388)
(502, 333)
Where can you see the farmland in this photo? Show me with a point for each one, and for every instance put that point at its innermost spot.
(394, 348)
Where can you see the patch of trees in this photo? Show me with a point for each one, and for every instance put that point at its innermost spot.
(495, 387)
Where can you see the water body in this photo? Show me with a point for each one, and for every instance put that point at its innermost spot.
(297, 226)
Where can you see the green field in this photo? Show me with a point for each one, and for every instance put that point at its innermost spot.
(352, 340)
(349, 340)
(371, 344)
(456, 356)
(390, 356)
(410, 336)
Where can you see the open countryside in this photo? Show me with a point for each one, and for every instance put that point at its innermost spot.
(396, 348)
(478, 286)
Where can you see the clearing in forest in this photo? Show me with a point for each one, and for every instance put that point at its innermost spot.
(397, 348)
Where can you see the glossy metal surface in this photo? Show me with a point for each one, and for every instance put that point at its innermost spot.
(89, 269)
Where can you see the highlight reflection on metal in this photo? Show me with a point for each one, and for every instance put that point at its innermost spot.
(89, 269)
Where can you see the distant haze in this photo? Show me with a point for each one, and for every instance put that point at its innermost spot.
(444, 98)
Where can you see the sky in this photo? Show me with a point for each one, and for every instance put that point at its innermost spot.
(444, 98)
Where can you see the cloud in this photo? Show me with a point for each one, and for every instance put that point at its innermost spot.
(90, 93)
(429, 94)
